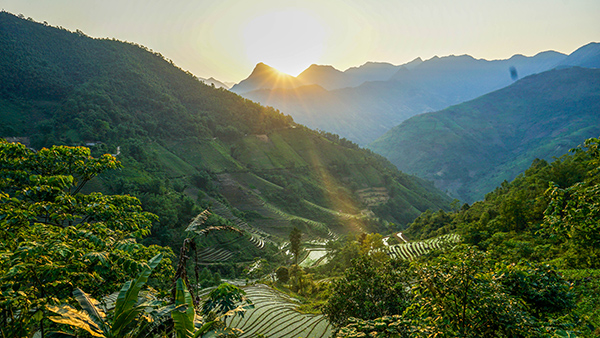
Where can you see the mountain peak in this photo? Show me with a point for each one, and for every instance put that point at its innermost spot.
(262, 67)
(266, 77)
(324, 75)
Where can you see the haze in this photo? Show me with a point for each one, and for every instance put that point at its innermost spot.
(225, 39)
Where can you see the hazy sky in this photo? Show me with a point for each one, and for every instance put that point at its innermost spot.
(226, 38)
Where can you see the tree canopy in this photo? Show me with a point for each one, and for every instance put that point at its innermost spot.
(53, 237)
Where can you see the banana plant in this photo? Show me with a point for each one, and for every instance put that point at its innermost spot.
(130, 319)
(185, 320)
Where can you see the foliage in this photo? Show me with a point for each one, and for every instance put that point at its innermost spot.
(225, 299)
(295, 243)
(457, 295)
(462, 293)
(342, 251)
(384, 327)
(369, 289)
(283, 274)
(128, 318)
(573, 213)
(540, 286)
(53, 237)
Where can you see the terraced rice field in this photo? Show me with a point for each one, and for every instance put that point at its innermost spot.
(275, 315)
(290, 217)
(258, 237)
(214, 254)
(412, 250)
(373, 196)
(315, 257)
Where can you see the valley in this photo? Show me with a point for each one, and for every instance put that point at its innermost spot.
(447, 196)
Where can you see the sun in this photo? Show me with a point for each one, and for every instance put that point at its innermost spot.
(288, 40)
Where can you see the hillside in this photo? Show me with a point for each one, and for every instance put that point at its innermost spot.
(386, 95)
(587, 56)
(469, 149)
(186, 145)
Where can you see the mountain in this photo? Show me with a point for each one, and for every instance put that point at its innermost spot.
(186, 146)
(374, 71)
(460, 78)
(392, 94)
(470, 148)
(587, 56)
(324, 76)
(266, 77)
(212, 81)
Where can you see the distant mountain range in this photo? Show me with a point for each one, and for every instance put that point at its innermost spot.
(218, 84)
(362, 103)
(265, 77)
(471, 148)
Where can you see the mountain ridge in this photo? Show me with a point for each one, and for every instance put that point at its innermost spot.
(370, 109)
(470, 148)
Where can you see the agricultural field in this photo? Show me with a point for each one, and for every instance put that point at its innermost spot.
(315, 257)
(412, 250)
(275, 315)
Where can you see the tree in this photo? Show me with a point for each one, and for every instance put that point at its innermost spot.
(573, 214)
(295, 242)
(283, 274)
(53, 237)
(226, 300)
(465, 293)
(369, 289)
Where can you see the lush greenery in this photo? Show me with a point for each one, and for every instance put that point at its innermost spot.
(186, 146)
(461, 293)
(54, 238)
(469, 149)
(75, 228)
(56, 241)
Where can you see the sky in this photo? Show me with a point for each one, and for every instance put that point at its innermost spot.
(225, 39)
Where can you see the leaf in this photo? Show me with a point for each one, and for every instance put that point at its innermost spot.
(183, 321)
(72, 317)
(60, 334)
(128, 296)
(198, 220)
(205, 328)
(89, 305)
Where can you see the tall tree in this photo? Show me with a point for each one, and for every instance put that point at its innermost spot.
(295, 241)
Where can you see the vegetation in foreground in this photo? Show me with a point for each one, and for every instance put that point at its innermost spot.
(56, 239)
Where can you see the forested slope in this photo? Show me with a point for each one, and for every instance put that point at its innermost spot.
(186, 145)
(469, 149)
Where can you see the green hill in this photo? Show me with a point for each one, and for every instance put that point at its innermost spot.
(186, 145)
(469, 149)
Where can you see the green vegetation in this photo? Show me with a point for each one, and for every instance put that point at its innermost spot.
(53, 238)
(186, 146)
(71, 222)
(471, 148)
(295, 243)
(125, 320)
